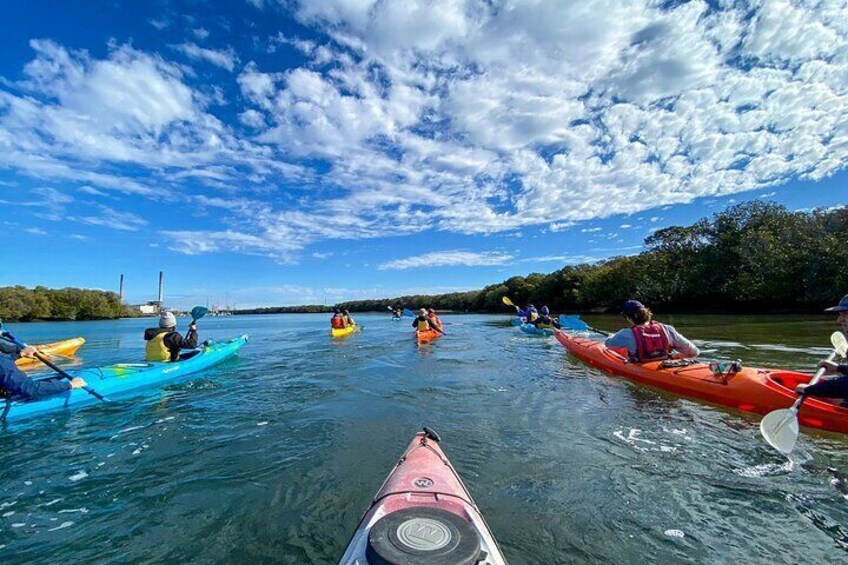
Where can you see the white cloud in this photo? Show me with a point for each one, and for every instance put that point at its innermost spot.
(35, 231)
(200, 33)
(111, 218)
(448, 259)
(590, 230)
(450, 115)
(224, 58)
(318, 255)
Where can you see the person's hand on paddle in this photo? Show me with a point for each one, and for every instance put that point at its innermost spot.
(78, 383)
(29, 352)
(829, 367)
(193, 326)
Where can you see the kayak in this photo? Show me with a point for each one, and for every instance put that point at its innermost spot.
(394, 319)
(517, 321)
(423, 514)
(743, 388)
(427, 336)
(344, 332)
(66, 347)
(536, 330)
(115, 380)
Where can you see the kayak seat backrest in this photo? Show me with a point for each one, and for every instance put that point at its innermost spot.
(789, 380)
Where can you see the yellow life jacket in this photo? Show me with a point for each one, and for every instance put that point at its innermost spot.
(423, 325)
(156, 350)
(533, 317)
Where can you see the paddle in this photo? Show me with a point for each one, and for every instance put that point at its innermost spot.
(50, 364)
(576, 324)
(780, 427)
(407, 313)
(198, 312)
(508, 302)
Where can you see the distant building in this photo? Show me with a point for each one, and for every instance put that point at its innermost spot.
(152, 308)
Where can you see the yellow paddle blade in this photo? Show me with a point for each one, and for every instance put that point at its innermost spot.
(507, 301)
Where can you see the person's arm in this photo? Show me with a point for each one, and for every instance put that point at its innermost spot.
(684, 349)
(36, 389)
(622, 338)
(9, 348)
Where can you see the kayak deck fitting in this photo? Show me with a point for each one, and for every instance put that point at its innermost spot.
(423, 514)
(115, 380)
(747, 389)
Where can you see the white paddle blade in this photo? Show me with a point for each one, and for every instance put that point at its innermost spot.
(840, 344)
(780, 428)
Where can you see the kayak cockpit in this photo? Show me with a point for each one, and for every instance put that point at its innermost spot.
(790, 379)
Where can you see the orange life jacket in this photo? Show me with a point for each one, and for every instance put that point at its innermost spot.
(337, 322)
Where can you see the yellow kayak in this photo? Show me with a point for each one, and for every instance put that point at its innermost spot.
(343, 332)
(67, 347)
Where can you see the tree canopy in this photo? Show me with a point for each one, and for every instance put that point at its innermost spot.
(755, 256)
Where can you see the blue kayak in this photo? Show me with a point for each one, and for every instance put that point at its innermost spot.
(116, 380)
(517, 321)
(533, 330)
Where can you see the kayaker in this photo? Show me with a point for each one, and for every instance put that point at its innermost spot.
(164, 343)
(545, 319)
(649, 340)
(348, 320)
(434, 320)
(337, 322)
(834, 387)
(422, 321)
(14, 382)
(529, 314)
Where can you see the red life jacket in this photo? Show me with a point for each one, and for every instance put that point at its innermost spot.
(651, 342)
(337, 322)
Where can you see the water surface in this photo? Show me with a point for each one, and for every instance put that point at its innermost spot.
(274, 456)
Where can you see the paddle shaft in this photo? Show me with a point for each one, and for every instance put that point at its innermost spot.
(50, 364)
(819, 374)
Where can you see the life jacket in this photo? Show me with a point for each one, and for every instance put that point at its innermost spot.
(532, 317)
(337, 322)
(652, 342)
(435, 320)
(156, 350)
(423, 324)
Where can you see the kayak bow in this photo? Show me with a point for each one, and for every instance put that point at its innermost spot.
(344, 332)
(65, 347)
(115, 380)
(746, 389)
(426, 336)
(536, 330)
(423, 514)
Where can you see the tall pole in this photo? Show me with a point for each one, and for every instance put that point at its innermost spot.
(161, 288)
(121, 289)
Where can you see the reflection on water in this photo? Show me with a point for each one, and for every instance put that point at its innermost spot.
(273, 456)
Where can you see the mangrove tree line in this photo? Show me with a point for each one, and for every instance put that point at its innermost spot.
(753, 257)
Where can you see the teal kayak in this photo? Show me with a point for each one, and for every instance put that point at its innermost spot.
(533, 330)
(116, 380)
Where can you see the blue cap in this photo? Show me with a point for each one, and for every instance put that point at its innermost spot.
(841, 307)
(631, 307)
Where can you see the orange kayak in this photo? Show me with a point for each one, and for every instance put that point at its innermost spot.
(67, 347)
(427, 336)
(748, 389)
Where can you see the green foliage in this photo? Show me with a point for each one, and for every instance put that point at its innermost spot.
(755, 256)
(18, 303)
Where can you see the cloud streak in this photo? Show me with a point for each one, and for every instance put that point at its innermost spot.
(448, 259)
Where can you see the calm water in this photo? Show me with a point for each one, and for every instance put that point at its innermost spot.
(273, 456)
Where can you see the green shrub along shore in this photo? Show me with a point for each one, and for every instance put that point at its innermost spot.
(752, 257)
(20, 304)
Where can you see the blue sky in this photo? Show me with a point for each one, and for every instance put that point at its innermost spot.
(281, 152)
